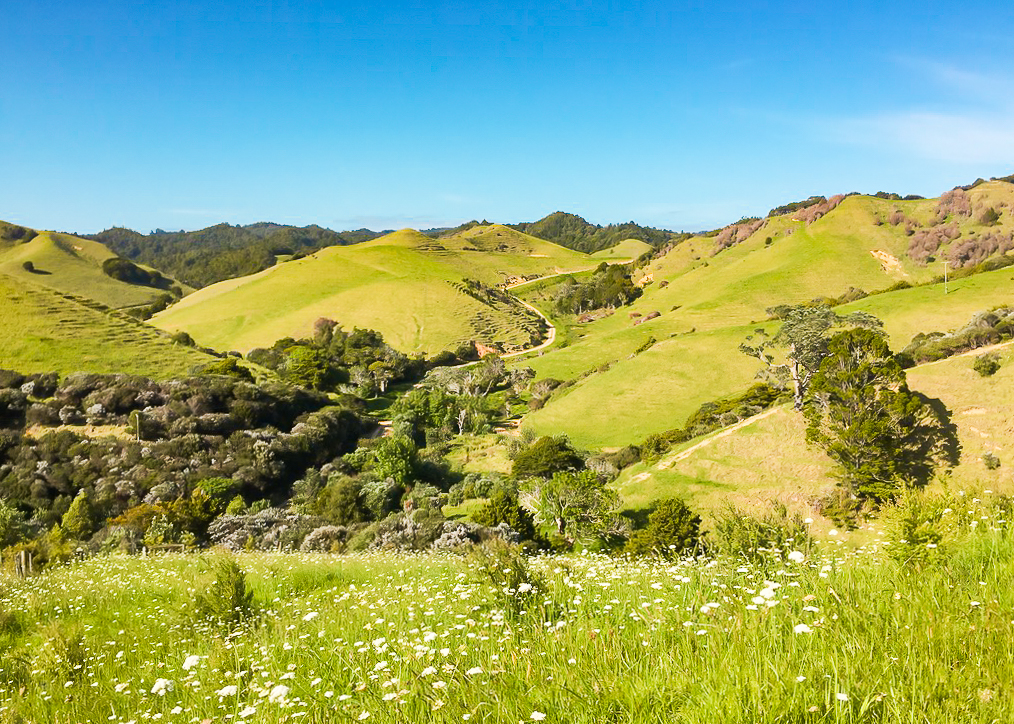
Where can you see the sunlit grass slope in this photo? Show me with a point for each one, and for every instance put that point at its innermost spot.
(406, 285)
(43, 331)
(71, 265)
(711, 302)
(627, 249)
(768, 459)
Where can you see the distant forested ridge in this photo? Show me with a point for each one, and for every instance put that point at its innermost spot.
(573, 232)
(203, 257)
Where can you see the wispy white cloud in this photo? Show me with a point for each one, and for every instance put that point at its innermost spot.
(981, 132)
(988, 87)
(956, 138)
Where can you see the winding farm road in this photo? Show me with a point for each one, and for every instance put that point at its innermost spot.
(550, 336)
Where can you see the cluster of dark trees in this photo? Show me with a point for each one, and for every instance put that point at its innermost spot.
(199, 258)
(985, 328)
(883, 437)
(114, 462)
(127, 271)
(574, 232)
(334, 359)
(610, 286)
(13, 232)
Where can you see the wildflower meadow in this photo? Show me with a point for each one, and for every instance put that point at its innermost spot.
(839, 632)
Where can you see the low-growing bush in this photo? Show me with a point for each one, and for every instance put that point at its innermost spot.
(773, 535)
(228, 600)
(987, 365)
(516, 585)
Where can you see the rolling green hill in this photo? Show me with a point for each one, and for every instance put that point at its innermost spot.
(626, 249)
(223, 251)
(70, 265)
(718, 288)
(45, 331)
(412, 287)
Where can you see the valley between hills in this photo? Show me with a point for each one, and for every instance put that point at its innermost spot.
(607, 374)
(660, 457)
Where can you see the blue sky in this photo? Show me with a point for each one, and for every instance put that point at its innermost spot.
(682, 115)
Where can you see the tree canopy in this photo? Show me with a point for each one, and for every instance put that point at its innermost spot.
(803, 336)
(882, 436)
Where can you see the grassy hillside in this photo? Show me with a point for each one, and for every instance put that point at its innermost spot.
(768, 459)
(627, 249)
(44, 331)
(70, 265)
(223, 251)
(717, 289)
(407, 285)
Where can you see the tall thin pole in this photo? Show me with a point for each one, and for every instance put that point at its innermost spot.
(945, 276)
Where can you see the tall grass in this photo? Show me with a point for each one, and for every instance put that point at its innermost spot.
(836, 636)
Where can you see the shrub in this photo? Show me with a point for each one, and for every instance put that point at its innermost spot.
(991, 461)
(127, 271)
(342, 501)
(11, 524)
(228, 600)
(219, 488)
(503, 508)
(410, 530)
(183, 338)
(917, 529)
(987, 365)
(770, 536)
(672, 529)
(989, 217)
(326, 539)
(79, 520)
(546, 456)
(229, 367)
(625, 457)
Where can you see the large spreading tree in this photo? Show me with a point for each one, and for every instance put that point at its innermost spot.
(804, 335)
(881, 435)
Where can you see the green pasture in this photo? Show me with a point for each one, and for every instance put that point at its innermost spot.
(43, 331)
(405, 285)
(70, 265)
(769, 459)
(711, 303)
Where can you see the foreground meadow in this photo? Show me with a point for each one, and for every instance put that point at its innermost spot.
(832, 634)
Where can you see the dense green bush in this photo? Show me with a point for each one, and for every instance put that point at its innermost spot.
(610, 286)
(672, 529)
(229, 599)
(127, 271)
(987, 365)
(546, 456)
(503, 507)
